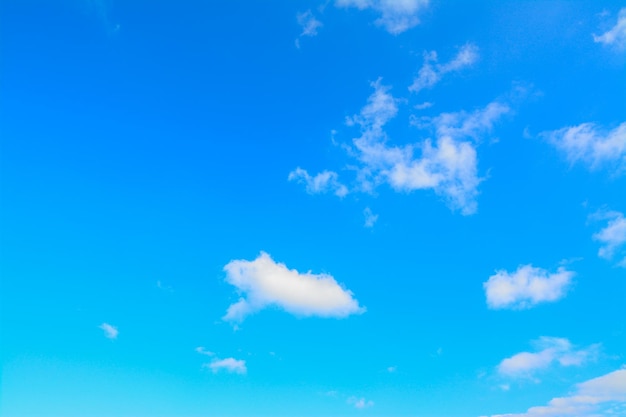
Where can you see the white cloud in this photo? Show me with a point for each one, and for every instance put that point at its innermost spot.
(396, 16)
(548, 351)
(309, 25)
(447, 165)
(266, 283)
(392, 369)
(370, 218)
(432, 72)
(599, 396)
(360, 402)
(201, 350)
(110, 331)
(526, 287)
(613, 236)
(591, 145)
(230, 365)
(325, 181)
(616, 36)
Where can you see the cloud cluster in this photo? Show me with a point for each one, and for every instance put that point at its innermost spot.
(264, 283)
(591, 145)
(110, 331)
(612, 237)
(432, 72)
(526, 287)
(616, 36)
(447, 165)
(548, 351)
(396, 16)
(604, 395)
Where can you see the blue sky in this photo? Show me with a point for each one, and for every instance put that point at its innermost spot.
(313, 208)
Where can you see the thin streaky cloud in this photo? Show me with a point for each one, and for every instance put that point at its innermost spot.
(616, 36)
(594, 146)
(432, 72)
(595, 397)
(548, 351)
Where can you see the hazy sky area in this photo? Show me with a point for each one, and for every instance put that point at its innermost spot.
(331, 208)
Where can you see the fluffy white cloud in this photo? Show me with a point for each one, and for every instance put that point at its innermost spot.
(230, 365)
(325, 181)
(548, 351)
(593, 146)
(432, 72)
(396, 16)
(616, 36)
(265, 283)
(110, 331)
(526, 287)
(370, 218)
(360, 402)
(613, 236)
(605, 395)
(309, 25)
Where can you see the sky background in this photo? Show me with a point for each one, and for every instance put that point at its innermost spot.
(308, 208)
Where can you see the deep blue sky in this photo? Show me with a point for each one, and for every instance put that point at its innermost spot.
(415, 208)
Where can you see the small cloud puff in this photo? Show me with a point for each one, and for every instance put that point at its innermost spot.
(309, 25)
(110, 331)
(612, 237)
(265, 283)
(360, 402)
(526, 287)
(230, 365)
(325, 181)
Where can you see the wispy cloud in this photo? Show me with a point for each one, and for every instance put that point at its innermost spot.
(110, 331)
(266, 283)
(323, 182)
(612, 237)
(309, 25)
(447, 165)
(616, 36)
(548, 351)
(526, 287)
(396, 16)
(370, 218)
(230, 365)
(593, 146)
(592, 398)
(432, 72)
(360, 402)
(201, 350)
